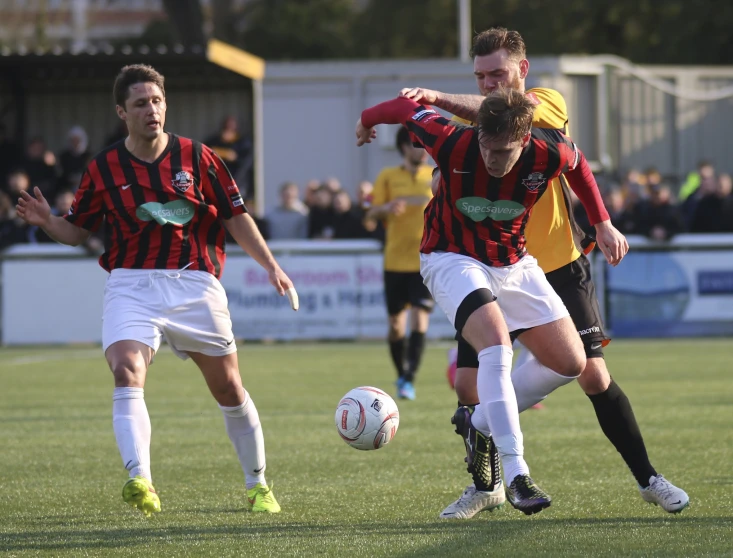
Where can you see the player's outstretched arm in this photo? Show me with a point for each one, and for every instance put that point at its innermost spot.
(612, 243)
(244, 230)
(35, 210)
(464, 106)
(426, 126)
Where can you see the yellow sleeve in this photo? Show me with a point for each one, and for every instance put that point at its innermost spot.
(380, 194)
(550, 111)
(460, 120)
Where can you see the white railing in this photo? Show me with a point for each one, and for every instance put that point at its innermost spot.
(679, 288)
(53, 294)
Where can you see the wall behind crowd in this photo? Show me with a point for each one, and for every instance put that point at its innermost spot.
(620, 120)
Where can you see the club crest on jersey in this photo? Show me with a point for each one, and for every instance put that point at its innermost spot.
(534, 181)
(182, 181)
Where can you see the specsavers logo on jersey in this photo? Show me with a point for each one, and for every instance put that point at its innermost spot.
(479, 209)
(178, 212)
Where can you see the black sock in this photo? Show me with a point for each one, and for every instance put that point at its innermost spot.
(618, 423)
(397, 350)
(415, 349)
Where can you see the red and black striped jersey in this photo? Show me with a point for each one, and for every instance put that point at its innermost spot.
(160, 215)
(474, 213)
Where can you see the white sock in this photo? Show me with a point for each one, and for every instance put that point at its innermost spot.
(499, 407)
(533, 382)
(131, 424)
(522, 354)
(245, 432)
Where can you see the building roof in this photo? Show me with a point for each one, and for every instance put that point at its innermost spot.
(125, 50)
(42, 68)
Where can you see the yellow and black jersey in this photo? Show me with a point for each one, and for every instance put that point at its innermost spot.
(403, 232)
(549, 230)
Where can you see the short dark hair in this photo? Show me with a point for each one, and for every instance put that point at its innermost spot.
(402, 137)
(132, 74)
(505, 113)
(493, 39)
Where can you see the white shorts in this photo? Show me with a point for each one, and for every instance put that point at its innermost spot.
(522, 291)
(188, 308)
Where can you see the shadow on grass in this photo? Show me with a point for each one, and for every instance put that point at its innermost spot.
(663, 536)
(472, 535)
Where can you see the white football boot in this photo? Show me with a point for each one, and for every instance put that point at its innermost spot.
(661, 492)
(473, 501)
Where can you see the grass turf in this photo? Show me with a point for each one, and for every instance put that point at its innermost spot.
(62, 476)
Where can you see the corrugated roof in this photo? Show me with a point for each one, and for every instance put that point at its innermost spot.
(107, 49)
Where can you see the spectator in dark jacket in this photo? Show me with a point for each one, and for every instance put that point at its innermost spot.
(321, 216)
(236, 150)
(348, 219)
(657, 217)
(712, 211)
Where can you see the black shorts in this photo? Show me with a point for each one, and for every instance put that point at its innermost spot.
(403, 288)
(574, 285)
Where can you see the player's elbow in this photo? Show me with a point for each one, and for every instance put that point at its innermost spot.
(80, 238)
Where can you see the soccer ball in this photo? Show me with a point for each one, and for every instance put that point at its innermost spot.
(367, 418)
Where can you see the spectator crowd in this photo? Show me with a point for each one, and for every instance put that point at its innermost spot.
(643, 203)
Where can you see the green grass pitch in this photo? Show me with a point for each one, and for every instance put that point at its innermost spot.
(61, 475)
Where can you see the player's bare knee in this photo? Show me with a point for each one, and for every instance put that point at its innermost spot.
(396, 327)
(595, 378)
(229, 393)
(483, 329)
(128, 372)
(572, 365)
(128, 361)
(395, 333)
(419, 319)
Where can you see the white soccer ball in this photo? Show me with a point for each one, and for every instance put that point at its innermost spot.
(367, 418)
